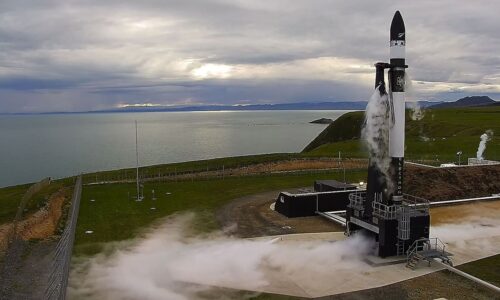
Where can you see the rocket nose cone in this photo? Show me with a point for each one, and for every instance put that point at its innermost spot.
(397, 27)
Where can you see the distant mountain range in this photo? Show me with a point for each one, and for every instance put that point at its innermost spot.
(343, 105)
(467, 102)
(346, 105)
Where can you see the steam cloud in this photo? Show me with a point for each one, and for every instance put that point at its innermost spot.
(467, 233)
(416, 112)
(168, 265)
(485, 137)
(375, 132)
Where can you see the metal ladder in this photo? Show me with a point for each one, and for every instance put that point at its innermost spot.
(403, 223)
(400, 247)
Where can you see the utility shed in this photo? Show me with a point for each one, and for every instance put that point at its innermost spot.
(332, 185)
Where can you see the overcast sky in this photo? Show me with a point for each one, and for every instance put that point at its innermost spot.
(98, 54)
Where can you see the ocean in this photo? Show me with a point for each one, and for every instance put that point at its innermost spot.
(60, 145)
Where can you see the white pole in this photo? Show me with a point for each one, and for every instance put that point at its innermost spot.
(137, 162)
(468, 276)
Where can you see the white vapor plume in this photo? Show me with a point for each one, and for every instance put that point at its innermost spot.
(168, 264)
(375, 132)
(416, 112)
(467, 233)
(485, 137)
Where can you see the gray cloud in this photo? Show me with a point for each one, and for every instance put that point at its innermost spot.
(85, 55)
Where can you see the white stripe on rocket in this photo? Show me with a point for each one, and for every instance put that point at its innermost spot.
(397, 52)
(397, 131)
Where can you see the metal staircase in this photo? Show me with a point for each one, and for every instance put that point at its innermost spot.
(413, 261)
(426, 249)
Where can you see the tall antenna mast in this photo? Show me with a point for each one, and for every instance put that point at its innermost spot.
(137, 163)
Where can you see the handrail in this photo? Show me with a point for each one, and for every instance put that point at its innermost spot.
(356, 199)
(384, 211)
(415, 198)
(426, 244)
(417, 204)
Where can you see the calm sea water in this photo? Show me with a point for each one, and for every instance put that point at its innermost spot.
(37, 146)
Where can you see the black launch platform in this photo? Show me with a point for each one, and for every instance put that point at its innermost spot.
(328, 195)
(394, 227)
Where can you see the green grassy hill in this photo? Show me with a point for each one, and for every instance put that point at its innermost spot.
(346, 127)
(439, 135)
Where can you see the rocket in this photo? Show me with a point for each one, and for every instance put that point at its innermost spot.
(397, 105)
(389, 190)
(383, 210)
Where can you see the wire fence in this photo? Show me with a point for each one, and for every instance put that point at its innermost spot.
(221, 171)
(59, 274)
(211, 171)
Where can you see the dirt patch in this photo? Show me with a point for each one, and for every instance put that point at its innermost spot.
(282, 167)
(457, 213)
(437, 184)
(308, 164)
(295, 165)
(40, 224)
(43, 223)
(251, 216)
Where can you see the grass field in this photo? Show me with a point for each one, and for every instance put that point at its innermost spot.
(9, 199)
(438, 136)
(114, 217)
(487, 269)
(440, 150)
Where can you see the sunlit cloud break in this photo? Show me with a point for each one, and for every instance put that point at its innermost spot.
(139, 105)
(79, 57)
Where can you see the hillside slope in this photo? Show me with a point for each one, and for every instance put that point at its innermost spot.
(346, 127)
(441, 133)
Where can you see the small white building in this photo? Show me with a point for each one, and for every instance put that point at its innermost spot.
(480, 162)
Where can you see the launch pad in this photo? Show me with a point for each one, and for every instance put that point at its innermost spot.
(398, 222)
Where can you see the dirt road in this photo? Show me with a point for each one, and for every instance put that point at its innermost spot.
(253, 217)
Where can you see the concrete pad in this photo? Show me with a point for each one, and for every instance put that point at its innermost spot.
(317, 237)
(312, 281)
(376, 261)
